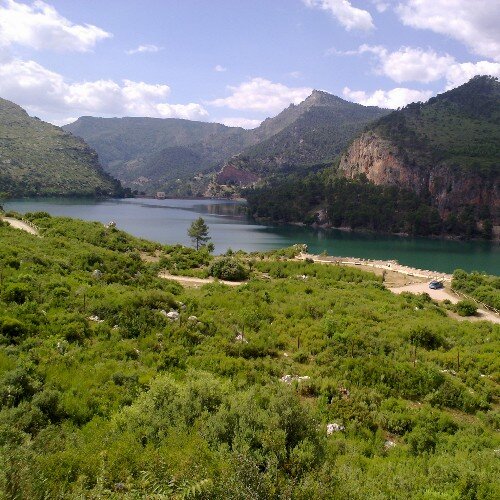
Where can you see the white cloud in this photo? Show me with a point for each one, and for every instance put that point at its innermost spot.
(472, 22)
(259, 94)
(295, 74)
(48, 95)
(141, 49)
(410, 64)
(461, 73)
(425, 66)
(240, 122)
(381, 5)
(219, 68)
(351, 18)
(393, 99)
(40, 26)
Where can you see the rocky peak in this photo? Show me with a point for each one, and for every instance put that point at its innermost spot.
(322, 98)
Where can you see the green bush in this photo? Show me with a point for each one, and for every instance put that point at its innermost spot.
(466, 308)
(12, 328)
(17, 292)
(228, 268)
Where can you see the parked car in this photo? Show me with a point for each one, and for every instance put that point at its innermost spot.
(436, 285)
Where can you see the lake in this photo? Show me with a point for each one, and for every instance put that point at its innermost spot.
(167, 221)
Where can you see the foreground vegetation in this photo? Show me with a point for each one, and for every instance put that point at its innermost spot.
(307, 381)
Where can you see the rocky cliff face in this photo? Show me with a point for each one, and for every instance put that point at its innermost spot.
(447, 188)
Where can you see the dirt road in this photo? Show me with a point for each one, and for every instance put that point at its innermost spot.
(443, 294)
(19, 224)
(196, 282)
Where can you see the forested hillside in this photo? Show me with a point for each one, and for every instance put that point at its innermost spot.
(39, 159)
(446, 150)
(308, 381)
(427, 169)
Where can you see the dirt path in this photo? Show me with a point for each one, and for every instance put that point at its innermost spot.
(19, 224)
(190, 281)
(444, 294)
(391, 268)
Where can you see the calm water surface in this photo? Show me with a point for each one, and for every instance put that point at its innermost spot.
(167, 221)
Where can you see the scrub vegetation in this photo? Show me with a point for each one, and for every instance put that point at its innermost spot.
(307, 381)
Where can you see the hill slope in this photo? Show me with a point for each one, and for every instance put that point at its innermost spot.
(314, 131)
(429, 168)
(39, 159)
(309, 381)
(446, 150)
(146, 153)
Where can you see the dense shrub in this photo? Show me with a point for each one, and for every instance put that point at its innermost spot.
(228, 268)
(466, 308)
(17, 292)
(98, 386)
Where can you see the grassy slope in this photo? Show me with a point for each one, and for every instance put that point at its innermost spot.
(38, 158)
(153, 407)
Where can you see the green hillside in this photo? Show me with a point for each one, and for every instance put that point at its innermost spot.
(147, 152)
(322, 126)
(150, 154)
(39, 159)
(460, 128)
(308, 381)
(429, 169)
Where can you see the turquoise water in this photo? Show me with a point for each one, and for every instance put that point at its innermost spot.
(167, 221)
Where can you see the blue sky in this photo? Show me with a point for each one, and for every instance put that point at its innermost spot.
(236, 61)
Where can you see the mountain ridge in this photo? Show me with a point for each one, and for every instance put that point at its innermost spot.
(127, 154)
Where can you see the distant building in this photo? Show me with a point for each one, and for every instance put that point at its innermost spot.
(160, 195)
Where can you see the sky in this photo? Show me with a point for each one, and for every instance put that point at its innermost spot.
(237, 61)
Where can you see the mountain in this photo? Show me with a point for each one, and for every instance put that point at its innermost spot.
(39, 159)
(314, 131)
(152, 154)
(429, 168)
(147, 153)
(446, 150)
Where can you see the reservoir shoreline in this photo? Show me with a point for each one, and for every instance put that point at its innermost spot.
(167, 221)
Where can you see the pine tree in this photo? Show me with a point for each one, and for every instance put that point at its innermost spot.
(198, 232)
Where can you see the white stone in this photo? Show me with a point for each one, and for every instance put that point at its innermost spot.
(334, 427)
(173, 315)
(241, 338)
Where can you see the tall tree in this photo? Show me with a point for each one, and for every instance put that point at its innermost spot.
(198, 232)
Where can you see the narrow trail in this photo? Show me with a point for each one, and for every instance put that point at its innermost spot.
(19, 224)
(196, 282)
